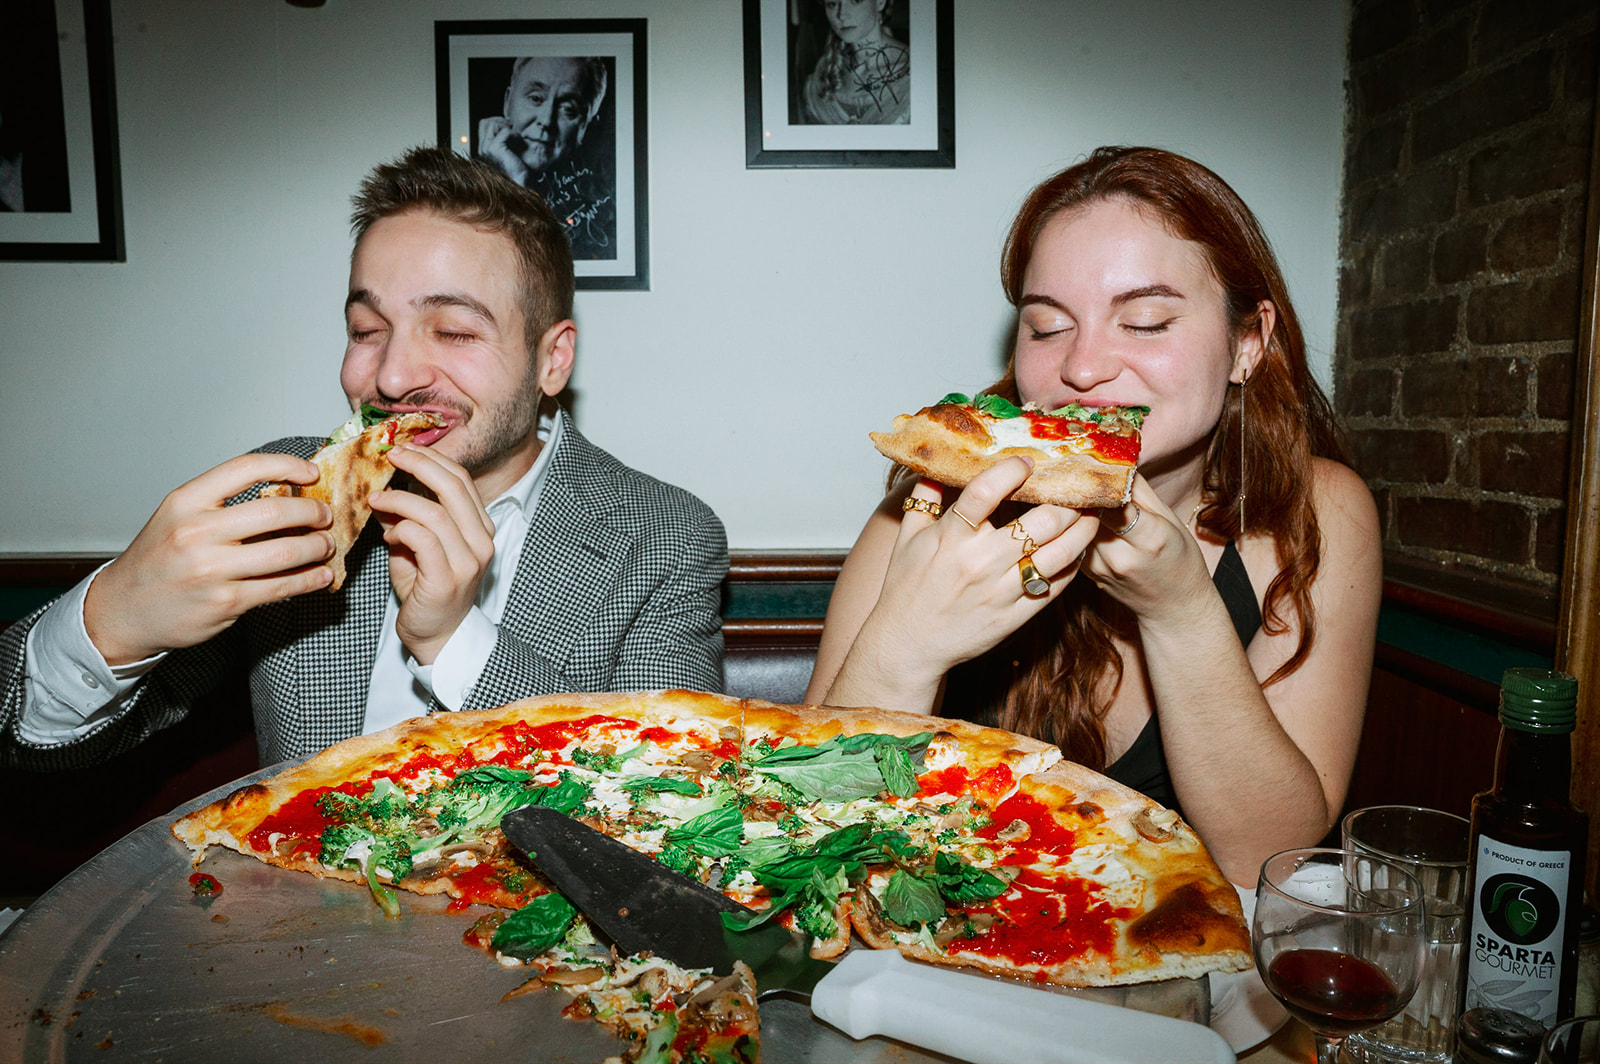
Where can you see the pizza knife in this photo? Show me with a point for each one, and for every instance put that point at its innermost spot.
(640, 904)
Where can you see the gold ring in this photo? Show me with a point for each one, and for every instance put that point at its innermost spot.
(1020, 534)
(1137, 513)
(911, 502)
(1034, 585)
(970, 523)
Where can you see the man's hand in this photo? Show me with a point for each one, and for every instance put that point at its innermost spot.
(494, 144)
(438, 551)
(197, 565)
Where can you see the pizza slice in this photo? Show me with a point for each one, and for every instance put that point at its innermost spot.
(1083, 456)
(1071, 879)
(354, 464)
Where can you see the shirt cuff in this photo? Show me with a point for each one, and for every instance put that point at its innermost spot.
(69, 682)
(460, 662)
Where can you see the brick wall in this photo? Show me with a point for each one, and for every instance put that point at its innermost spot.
(1468, 138)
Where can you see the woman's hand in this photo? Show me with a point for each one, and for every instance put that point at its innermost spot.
(953, 588)
(1145, 557)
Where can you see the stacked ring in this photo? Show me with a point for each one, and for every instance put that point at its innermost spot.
(1020, 534)
(1034, 585)
(969, 522)
(926, 506)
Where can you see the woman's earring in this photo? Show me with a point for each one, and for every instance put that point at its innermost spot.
(1244, 380)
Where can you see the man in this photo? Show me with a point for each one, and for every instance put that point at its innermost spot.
(578, 574)
(550, 104)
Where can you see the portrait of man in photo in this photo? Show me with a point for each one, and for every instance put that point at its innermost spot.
(549, 123)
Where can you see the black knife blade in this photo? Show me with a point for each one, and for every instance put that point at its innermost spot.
(640, 904)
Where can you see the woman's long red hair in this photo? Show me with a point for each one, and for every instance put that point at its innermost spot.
(1059, 669)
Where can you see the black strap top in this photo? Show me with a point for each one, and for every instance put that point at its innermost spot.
(1143, 765)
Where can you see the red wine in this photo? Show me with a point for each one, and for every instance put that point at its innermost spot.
(1332, 993)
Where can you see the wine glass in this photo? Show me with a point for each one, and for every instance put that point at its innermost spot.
(1338, 939)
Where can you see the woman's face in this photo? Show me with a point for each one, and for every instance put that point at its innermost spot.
(853, 20)
(1117, 311)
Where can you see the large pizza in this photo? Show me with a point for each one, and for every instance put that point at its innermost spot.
(953, 843)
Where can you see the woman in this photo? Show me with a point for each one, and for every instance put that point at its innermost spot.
(1210, 642)
(863, 76)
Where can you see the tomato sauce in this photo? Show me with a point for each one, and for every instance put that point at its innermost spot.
(300, 816)
(1045, 427)
(204, 885)
(952, 780)
(1117, 448)
(484, 884)
(1046, 920)
(1045, 833)
(1110, 446)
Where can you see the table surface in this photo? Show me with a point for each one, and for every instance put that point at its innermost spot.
(1293, 1043)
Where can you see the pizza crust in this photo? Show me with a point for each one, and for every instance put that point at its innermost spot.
(949, 444)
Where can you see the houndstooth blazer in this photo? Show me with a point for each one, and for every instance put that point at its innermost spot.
(618, 589)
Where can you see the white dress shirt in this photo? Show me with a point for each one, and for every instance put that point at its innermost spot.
(69, 687)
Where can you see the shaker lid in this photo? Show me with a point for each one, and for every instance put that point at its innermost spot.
(1497, 1036)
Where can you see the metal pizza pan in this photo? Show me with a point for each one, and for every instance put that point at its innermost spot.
(122, 960)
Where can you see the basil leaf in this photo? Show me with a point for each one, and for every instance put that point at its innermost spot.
(372, 415)
(997, 406)
(911, 899)
(663, 785)
(1136, 414)
(954, 397)
(564, 797)
(715, 834)
(843, 768)
(898, 775)
(961, 882)
(535, 927)
(758, 853)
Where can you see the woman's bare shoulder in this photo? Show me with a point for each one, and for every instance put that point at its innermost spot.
(1343, 502)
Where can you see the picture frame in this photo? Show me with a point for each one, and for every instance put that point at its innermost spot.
(559, 105)
(60, 174)
(851, 94)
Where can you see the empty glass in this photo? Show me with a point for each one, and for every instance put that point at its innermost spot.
(1434, 847)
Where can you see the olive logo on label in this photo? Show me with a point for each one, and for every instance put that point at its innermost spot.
(1518, 909)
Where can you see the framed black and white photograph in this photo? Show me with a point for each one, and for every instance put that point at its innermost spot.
(839, 83)
(60, 181)
(558, 105)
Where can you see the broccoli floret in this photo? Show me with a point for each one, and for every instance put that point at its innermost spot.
(815, 917)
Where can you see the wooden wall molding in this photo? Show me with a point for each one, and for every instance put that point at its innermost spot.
(1579, 626)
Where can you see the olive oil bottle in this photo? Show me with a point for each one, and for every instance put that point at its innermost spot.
(1528, 851)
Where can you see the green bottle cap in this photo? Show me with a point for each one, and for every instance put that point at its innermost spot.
(1538, 700)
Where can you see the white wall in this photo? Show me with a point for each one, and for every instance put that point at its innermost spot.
(790, 311)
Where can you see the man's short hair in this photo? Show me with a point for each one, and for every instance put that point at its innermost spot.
(476, 194)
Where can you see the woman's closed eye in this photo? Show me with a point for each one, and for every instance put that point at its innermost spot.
(1148, 330)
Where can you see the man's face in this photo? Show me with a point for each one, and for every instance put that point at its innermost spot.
(434, 322)
(547, 109)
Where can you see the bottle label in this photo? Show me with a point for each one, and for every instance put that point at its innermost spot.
(1514, 959)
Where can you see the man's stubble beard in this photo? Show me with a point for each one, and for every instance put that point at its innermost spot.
(501, 428)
